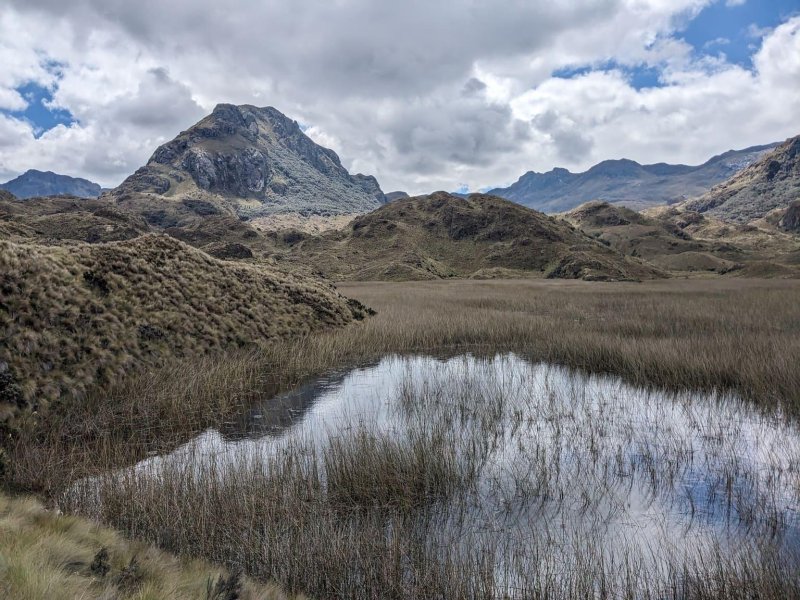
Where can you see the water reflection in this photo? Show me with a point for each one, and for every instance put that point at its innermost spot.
(552, 459)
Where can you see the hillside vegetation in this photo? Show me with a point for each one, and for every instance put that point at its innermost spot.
(443, 235)
(55, 220)
(46, 555)
(87, 314)
(683, 241)
(771, 183)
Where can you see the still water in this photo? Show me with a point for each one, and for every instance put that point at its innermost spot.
(556, 465)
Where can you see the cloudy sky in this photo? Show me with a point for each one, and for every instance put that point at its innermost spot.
(423, 94)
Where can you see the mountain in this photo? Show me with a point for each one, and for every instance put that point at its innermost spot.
(392, 196)
(443, 235)
(771, 183)
(683, 242)
(35, 183)
(626, 182)
(84, 314)
(244, 162)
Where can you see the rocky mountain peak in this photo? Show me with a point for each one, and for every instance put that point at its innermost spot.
(257, 161)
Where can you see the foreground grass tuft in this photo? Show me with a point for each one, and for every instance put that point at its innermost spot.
(44, 555)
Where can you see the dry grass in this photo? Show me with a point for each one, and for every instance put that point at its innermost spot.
(735, 334)
(47, 556)
(443, 236)
(74, 317)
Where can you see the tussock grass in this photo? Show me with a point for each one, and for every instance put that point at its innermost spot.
(47, 555)
(740, 335)
(281, 520)
(365, 469)
(86, 315)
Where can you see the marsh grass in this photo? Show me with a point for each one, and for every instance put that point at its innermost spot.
(365, 469)
(47, 555)
(483, 480)
(359, 519)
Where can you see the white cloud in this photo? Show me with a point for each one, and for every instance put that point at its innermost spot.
(425, 94)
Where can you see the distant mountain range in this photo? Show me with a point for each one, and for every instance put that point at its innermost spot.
(771, 183)
(33, 183)
(245, 162)
(627, 182)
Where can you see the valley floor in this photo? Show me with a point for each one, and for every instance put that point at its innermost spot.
(725, 334)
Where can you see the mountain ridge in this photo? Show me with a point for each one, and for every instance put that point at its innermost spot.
(626, 182)
(771, 183)
(34, 183)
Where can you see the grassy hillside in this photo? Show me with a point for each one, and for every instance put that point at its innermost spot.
(442, 235)
(760, 248)
(683, 242)
(64, 220)
(61, 219)
(771, 183)
(83, 314)
(46, 555)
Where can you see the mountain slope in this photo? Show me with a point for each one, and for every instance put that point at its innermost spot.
(660, 241)
(35, 183)
(244, 162)
(74, 316)
(58, 219)
(773, 182)
(626, 182)
(442, 235)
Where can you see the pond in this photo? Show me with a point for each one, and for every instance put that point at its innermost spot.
(536, 472)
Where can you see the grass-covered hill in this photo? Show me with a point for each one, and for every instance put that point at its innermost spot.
(682, 241)
(771, 183)
(78, 315)
(44, 554)
(58, 219)
(442, 235)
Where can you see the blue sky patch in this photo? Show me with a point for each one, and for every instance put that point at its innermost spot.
(640, 77)
(731, 28)
(37, 112)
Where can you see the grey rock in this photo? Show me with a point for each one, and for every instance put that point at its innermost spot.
(257, 161)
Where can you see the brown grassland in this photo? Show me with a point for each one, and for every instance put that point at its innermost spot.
(725, 334)
(47, 555)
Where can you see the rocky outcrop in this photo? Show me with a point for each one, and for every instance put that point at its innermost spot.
(771, 183)
(790, 221)
(250, 162)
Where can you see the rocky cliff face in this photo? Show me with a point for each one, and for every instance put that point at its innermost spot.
(771, 183)
(33, 183)
(252, 162)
